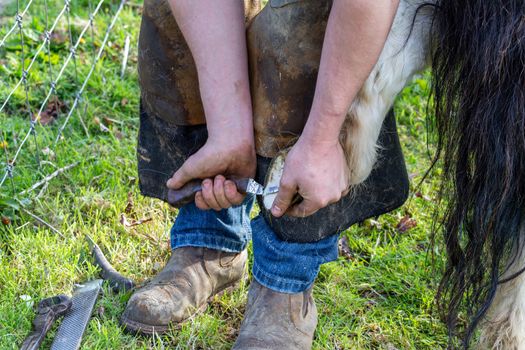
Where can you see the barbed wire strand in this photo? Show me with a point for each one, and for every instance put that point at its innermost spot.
(71, 45)
(15, 25)
(10, 163)
(92, 69)
(92, 25)
(55, 82)
(25, 77)
(18, 22)
(47, 38)
(9, 168)
(23, 69)
(47, 41)
(82, 115)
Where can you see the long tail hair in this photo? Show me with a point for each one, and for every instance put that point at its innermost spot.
(478, 64)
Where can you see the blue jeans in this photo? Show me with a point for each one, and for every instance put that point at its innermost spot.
(282, 266)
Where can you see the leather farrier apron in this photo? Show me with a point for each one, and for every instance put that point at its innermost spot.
(285, 39)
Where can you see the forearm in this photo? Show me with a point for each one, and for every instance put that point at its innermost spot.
(355, 36)
(215, 33)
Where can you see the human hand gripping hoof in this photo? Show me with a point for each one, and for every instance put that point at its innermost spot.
(317, 173)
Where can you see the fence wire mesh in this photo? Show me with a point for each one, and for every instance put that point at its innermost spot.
(39, 60)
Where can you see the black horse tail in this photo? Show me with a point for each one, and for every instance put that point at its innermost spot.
(478, 62)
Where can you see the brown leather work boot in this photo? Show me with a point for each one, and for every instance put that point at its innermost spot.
(277, 321)
(183, 288)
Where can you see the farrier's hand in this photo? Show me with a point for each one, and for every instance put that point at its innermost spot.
(217, 159)
(318, 172)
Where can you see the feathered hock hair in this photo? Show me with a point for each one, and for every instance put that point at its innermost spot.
(478, 64)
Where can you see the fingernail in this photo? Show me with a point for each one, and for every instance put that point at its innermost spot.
(206, 183)
(276, 210)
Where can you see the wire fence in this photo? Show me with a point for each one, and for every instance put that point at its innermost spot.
(32, 44)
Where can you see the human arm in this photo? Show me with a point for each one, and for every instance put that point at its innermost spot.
(316, 167)
(215, 33)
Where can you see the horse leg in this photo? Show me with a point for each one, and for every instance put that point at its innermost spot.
(503, 327)
(405, 53)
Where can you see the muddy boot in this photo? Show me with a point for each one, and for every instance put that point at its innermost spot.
(277, 321)
(182, 289)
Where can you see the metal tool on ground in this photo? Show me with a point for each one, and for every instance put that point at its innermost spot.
(71, 330)
(117, 282)
(48, 311)
(186, 194)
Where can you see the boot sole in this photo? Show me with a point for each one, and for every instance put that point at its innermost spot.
(135, 327)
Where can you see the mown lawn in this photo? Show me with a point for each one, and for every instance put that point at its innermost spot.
(378, 297)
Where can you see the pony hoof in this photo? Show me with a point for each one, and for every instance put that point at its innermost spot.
(273, 178)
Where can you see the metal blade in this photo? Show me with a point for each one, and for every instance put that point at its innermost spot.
(271, 190)
(118, 282)
(69, 334)
(254, 187)
(90, 241)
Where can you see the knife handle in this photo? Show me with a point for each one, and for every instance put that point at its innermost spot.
(186, 194)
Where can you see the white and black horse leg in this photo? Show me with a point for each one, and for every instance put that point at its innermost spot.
(504, 326)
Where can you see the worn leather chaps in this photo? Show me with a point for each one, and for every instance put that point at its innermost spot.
(284, 42)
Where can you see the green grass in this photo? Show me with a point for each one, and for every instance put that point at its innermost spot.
(381, 299)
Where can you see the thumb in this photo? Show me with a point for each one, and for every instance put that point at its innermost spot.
(303, 209)
(181, 176)
(284, 198)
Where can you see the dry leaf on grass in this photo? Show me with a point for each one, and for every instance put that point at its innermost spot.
(423, 196)
(130, 206)
(50, 114)
(110, 121)
(107, 120)
(103, 128)
(406, 223)
(344, 248)
(59, 37)
(49, 153)
(132, 222)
